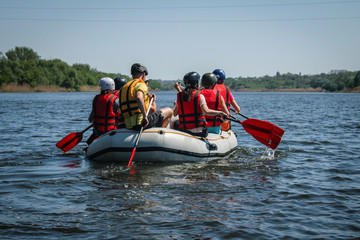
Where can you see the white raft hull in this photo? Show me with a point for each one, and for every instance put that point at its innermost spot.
(160, 145)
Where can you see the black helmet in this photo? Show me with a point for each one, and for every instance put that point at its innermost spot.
(119, 82)
(191, 78)
(208, 79)
(138, 68)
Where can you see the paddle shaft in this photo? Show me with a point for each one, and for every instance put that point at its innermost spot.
(233, 119)
(139, 135)
(239, 114)
(87, 128)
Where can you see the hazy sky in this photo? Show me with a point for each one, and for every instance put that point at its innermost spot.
(173, 37)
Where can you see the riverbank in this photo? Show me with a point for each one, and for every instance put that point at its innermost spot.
(87, 88)
(41, 88)
(345, 90)
(282, 90)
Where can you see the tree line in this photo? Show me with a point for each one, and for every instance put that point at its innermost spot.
(23, 66)
(335, 80)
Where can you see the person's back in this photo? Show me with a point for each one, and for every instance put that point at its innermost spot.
(135, 100)
(129, 104)
(104, 117)
(214, 101)
(212, 98)
(190, 113)
(226, 94)
(191, 107)
(105, 107)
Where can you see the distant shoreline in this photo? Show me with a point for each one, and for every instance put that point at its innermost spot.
(26, 88)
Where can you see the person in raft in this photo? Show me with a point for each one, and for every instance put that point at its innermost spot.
(120, 81)
(105, 108)
(214, 101)
(134, 100)
(191, 107)
(226, 94)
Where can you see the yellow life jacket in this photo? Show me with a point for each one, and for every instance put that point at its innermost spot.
(128, 103)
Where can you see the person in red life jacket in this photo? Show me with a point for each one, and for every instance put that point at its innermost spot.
(105, 108)
(120, 81)
(214, 101)
(225, 92)
(191, 107)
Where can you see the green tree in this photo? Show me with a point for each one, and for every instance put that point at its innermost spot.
(154, 84)
(22, 54)
(356, 82)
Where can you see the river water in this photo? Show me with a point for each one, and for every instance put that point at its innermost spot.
(309, 189)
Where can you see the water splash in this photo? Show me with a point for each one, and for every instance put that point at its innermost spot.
(269, 154)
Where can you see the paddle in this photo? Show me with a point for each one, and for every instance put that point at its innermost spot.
(138, 137)
(265, 132)
(71, 140)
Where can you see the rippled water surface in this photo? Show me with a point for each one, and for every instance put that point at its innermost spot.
(309, 189)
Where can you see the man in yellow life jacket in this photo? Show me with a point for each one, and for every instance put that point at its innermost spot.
(134, 101)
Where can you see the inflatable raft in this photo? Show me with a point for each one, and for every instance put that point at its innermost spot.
(160, 145)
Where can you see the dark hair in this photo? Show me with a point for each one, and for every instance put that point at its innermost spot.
(187, 92)
(191, 81)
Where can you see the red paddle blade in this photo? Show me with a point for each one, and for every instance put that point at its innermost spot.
(70, 141)
(265, 132)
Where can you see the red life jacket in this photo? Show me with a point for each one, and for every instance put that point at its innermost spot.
(190, 114)
(104, 117)
(225, 93)
(212, 98)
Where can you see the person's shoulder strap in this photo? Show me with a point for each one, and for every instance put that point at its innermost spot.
(217, 99)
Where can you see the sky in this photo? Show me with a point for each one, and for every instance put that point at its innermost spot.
(245, 38)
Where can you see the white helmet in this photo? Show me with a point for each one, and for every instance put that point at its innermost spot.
(107, 83)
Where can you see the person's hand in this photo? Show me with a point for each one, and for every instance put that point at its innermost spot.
(224, 116)
(145, 122)
(153, 96)
(177, 86)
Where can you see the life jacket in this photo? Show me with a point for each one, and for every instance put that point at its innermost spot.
(127, 97)
(212, 98)
(225, 93)
(104, 117)
(190, 114)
